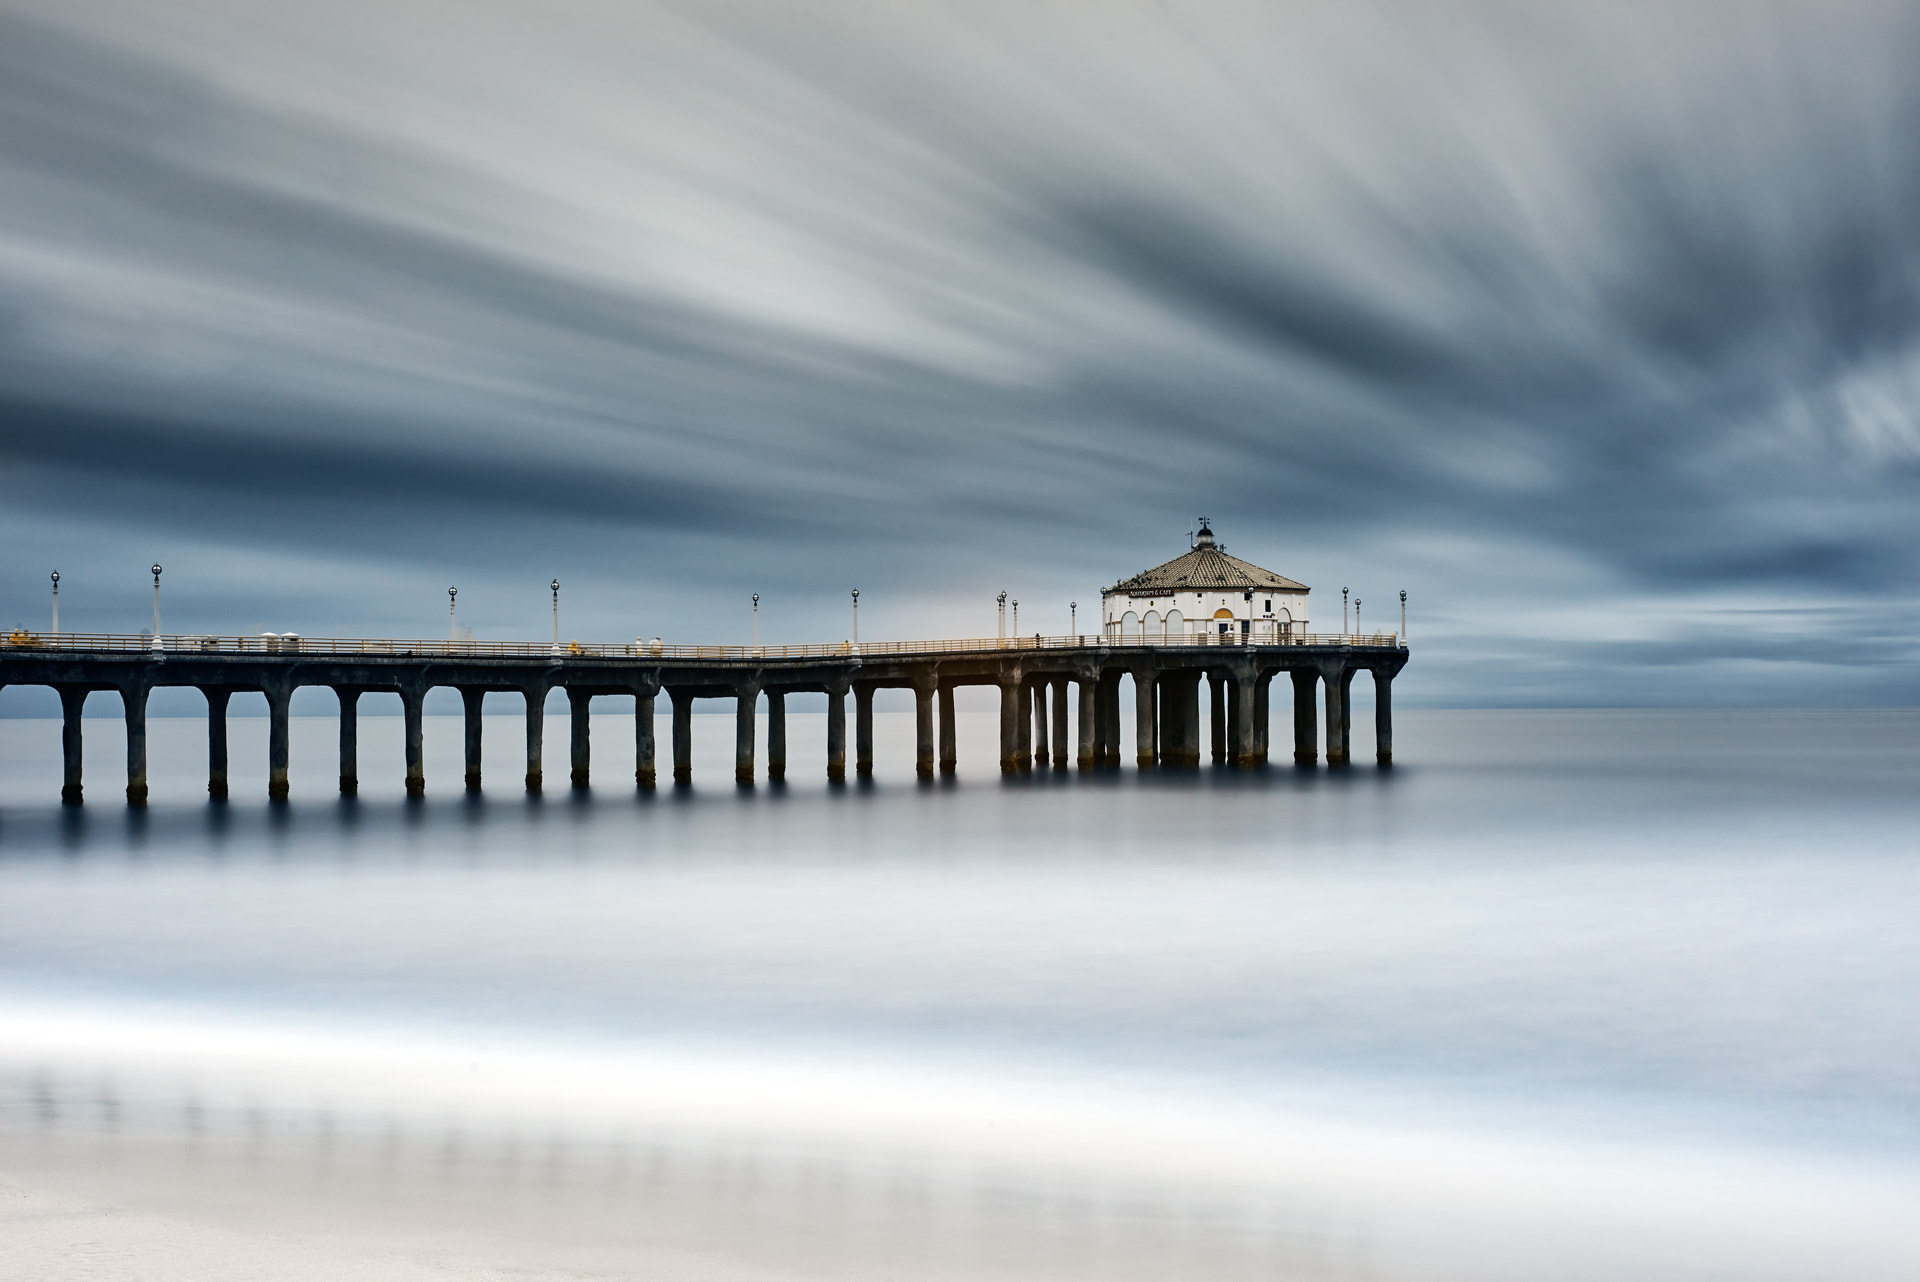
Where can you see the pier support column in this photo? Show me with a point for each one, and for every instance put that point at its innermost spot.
(411, 699)
(923, 730)
(1180, 719)
(682, 736)
(643, 749)
(1023, 732)
(863, 731)
(1217, 714)
(1246, 689)
(1232, 701)
(746, 708)
(472, 699)
(1110, 715)
(1042, 741)
(135, 696)
(1010, 688)
(1089, 707)
(836, 736)
(1262, 713)
(536, 733)
(72, 699)
(1145, 719)
(776, 736)
(1306, 727)
(1059, 723)
(579, 737)
(349, 740)
(279, 698)
(217, 698)
(1383, 716)
(1336, 683)
(949, 734)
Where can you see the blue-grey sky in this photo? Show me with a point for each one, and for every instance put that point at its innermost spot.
(1594, 326)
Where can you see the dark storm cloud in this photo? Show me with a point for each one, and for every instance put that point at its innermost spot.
(1619, 302)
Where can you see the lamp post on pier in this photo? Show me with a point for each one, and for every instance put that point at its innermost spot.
(453, 622)
(56, 603)
(856, 616)
(1403, 616)
(555, 586)
(1016, 617)
(756, 620)
(1356, 616)
(1073, 617)
(1002, 599)
(156, 605)
(1343, 612)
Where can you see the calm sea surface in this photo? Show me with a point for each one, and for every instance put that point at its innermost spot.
(1562, 996)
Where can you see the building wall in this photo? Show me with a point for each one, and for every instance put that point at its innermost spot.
(1197, 610)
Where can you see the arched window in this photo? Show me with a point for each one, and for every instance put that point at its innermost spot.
(1150, 627)
(1176, 627)
(1129, 626)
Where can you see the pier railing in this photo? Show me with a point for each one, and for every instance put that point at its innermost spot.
(269, 643)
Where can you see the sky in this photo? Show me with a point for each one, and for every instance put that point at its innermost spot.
(1594, 327)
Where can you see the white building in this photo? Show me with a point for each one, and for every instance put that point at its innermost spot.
(1205, 595)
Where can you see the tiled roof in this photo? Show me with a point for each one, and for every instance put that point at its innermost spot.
(1202, 570)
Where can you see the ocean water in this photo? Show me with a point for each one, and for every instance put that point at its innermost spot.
(1567, 995)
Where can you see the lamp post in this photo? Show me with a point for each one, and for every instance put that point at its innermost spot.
(453, 629)
(156, 605)
(1403, 616)
(756, 620)
(1356, 616)
(1016, 617)
(1002, 599)
(856, 616)
(1343, 612)
(555, 586)
(56, 603)
(1073, 617)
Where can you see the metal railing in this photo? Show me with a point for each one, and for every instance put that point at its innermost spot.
(96, 642)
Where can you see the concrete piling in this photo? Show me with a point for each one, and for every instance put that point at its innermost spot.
(579, 737)
(1042, 741)
(863, 730)
(949, 734)
(776, 736)
(135, 696)
(682, 736)
(536, 696)
(471, 699)
(349, 740)
(643, 749)
(72, 699)
(746, 706)
(836, 734)
(923, 695)
(1089, 704)
(217, 698)
(411, 712)
(1306, 729)
(279, 698)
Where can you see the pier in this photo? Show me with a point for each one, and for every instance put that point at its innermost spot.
(1059, 696)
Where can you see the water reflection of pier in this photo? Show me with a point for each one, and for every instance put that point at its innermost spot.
(1046, 684)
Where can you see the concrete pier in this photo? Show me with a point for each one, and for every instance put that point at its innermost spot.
(1166, 681)
(217, 698)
